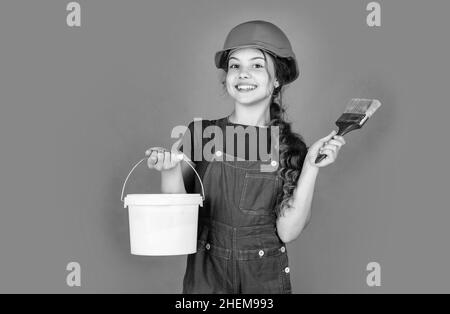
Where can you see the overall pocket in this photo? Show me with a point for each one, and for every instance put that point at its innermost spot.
(258, 194)
(261, 271)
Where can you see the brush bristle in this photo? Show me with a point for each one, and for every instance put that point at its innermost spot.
(362, 106)
(373, 107)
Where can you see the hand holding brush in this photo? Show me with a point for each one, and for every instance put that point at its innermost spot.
(328, 146)
(355, 115)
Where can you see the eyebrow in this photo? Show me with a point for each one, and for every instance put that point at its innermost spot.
(250, 59)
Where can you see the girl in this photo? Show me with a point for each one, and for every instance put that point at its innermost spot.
(248, 215)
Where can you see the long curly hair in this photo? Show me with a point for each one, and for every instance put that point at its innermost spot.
(292, 148)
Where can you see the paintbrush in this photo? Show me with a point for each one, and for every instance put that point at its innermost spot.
(355, 115)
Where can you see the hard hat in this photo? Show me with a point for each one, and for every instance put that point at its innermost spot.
(261, 35)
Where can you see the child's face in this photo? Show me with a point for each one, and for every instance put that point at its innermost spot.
(250, 76)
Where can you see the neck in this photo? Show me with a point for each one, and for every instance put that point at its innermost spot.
(256, 115)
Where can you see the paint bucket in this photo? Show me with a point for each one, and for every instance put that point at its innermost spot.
(163, 224)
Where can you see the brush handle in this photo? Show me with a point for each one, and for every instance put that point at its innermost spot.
(320, 157)
(344, 128)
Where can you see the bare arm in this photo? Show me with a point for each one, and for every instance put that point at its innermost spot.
(295, 218)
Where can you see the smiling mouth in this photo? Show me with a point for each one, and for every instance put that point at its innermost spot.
(245, 87)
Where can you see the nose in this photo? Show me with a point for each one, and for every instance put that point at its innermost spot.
(243, 74)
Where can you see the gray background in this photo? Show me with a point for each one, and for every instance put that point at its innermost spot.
(79, 106)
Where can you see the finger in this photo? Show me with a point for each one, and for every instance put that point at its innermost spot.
(329, 136)
(150, 163)
(339, 138)
(333, 148)
(335, 142)
(170, 159)
(173, 158)
(153, 149)
(153, 158)
(330, 147)
(325, 140)
(177, 156)
(149, 151)
(167, 160)
(160, 162)
(329, 152)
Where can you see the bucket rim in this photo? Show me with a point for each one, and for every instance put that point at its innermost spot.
(171, 194)
(163, 199)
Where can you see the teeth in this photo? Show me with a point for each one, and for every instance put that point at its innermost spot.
(246, 87)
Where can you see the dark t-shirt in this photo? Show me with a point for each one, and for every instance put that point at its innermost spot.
(200, 136)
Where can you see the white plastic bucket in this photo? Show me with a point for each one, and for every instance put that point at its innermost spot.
(162, 224)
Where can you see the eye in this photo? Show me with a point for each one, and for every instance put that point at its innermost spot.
(258, 66)
(233, 66)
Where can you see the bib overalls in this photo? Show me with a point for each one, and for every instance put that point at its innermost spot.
(238, 249)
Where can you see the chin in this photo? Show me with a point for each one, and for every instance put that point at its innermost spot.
(248, 100)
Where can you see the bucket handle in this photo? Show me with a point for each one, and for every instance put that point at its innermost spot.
(184, 158)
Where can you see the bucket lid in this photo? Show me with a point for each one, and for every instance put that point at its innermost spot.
(163, 199)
